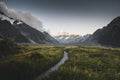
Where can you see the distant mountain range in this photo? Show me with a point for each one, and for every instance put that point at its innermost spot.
(22, 32)
(71, 39)
(106, 36)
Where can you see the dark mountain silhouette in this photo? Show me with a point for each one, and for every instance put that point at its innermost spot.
(109, 35)
(23, 27)
(20, 32)
(8, 30)
(34, 35)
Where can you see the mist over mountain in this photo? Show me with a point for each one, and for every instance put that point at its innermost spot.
(23, 16)
(16, 26)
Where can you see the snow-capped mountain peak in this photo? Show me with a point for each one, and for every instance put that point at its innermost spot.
(67, 38)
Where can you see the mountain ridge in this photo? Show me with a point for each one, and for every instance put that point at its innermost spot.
(108, 35)
(71, 38)
(21, 32)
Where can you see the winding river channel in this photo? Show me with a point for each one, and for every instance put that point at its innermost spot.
(55, 67)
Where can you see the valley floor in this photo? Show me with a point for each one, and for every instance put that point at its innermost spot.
(29, 64)
(89, 63)
(83, 63)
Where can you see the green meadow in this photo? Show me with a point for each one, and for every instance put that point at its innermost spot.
(84, 63)
(89, 63)
(31, 62)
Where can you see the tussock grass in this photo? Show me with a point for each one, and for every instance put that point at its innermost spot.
(89, 63)
(32, 62)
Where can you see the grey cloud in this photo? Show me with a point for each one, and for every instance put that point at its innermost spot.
(24, 16)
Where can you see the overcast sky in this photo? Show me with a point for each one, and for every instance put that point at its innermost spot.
(73, 16)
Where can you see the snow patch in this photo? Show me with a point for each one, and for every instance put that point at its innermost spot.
(23, 16)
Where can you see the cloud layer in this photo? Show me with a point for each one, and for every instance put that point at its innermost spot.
(24, 16)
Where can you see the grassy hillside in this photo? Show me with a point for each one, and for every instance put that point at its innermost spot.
(89, 63)
(30, 63)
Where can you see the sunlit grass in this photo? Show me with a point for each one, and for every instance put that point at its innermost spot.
(89, 63)
(84, 63)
